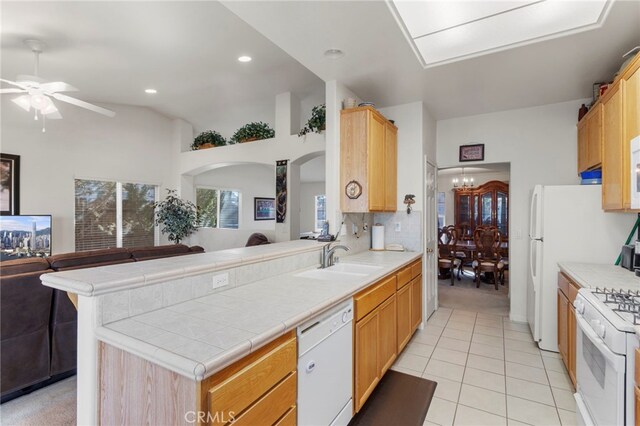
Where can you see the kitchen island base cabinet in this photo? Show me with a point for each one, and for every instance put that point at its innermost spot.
(259, 389)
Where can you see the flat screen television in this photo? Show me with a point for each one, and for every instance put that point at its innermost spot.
(25, 236)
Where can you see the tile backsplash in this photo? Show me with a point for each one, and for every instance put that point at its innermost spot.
(410, 234)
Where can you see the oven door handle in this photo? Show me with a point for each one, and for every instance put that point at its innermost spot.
(617, 361)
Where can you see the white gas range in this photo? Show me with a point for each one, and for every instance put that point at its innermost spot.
(605, 347)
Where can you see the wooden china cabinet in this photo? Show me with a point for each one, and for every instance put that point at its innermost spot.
(487, 205)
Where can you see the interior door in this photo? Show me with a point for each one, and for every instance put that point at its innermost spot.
(430, 269)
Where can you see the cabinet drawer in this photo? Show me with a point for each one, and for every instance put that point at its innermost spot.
(242, 389)
(416, 269)
(573, 292)
(373, 296)
(290, 418)
(404, 277)
(272, 406)
(563, 284)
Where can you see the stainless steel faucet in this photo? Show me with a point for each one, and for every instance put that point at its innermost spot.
(327, 254)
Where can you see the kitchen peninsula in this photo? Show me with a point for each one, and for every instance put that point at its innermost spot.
(158, 339)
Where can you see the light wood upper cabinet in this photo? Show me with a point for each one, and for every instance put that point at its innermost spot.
(390, 167)
(594, 138)
(582, 145)
(368, 156)
(590, 140)
(616, 117)
(613, 185)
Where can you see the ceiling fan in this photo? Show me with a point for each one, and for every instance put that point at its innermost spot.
(38, 94)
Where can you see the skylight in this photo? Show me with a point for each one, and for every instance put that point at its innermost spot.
(442, 32)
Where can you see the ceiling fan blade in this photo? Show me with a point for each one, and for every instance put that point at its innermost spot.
(23, 102)
(13, 83)
(5, 91)
(24, 78)
(83, 104)
(57, 86)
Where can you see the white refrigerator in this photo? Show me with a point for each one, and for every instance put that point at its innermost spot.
(567, 224)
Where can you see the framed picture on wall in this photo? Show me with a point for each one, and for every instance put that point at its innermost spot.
(264, 208)
(9, 184)
(472, 152)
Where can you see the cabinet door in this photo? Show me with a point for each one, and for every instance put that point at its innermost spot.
(502, 212)
(388, 342)
(563, 335)
(416, 302)
(375, 163)
(582, 145)
(391, 168)
(571, 342)
(612, 155)
(631, 126)
(366, 358)
(486, 209)
(594, 137)
(403, 300)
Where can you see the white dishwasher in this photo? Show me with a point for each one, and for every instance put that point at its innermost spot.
(325, 368)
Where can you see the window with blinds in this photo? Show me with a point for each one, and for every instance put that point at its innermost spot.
(219, 208)
(320, 212)
(113, 214)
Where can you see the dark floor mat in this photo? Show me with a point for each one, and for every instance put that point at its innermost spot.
(399, 399)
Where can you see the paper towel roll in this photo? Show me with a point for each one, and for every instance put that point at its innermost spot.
(377, 237)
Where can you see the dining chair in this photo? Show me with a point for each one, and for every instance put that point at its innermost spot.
(487, 256)
(462, 254)
(447, 259)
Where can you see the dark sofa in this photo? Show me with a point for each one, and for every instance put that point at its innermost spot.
(38, 340)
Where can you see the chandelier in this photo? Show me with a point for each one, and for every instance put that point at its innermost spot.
(462, 182)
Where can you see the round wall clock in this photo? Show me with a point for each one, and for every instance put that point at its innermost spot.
(353, 189)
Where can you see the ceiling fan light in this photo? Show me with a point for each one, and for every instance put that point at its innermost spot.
(23, 102)
(49, 109)
(40, 101)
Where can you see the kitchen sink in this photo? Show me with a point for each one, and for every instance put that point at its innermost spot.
(328, 274)
(354, 268)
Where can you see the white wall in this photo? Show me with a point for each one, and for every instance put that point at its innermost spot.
(134, 146)
(445, 184)
(540, 144)
(408, 119)
(308, 191)
(251, 180)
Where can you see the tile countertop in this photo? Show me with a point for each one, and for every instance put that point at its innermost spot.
(106, 279)
(201, 336)
(600, 275)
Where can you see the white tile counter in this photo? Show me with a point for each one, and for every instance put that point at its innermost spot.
(600, 275)
(198, 337)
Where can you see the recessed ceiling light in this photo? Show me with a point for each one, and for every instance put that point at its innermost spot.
(150, 91)
(334, 53)
(244, 58)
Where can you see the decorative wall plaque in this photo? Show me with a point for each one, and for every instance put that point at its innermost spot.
(353, 190)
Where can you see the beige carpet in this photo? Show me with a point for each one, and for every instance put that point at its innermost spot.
(464, 295)
(53, 405)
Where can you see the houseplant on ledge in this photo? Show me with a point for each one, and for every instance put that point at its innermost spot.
(208, 139)
(178, 217)
(317, 121)
(253, 132)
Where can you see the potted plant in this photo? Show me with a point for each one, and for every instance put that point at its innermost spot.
(253, 132)
(317, 121)
(208, 139)
(179, 218)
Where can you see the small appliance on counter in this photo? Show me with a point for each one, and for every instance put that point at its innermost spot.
(627, 256)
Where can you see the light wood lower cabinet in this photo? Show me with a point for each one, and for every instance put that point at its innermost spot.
(385, 319)
(367, 373)
(387, 343)
(567, 292)
(259, 389)
(405, 331)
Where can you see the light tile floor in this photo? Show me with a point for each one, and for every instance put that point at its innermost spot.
(489, 372)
